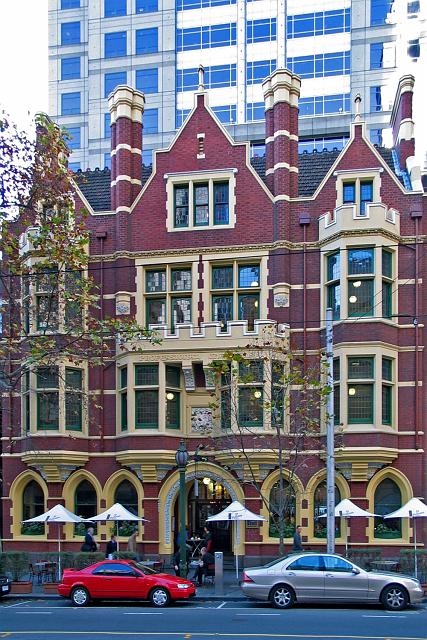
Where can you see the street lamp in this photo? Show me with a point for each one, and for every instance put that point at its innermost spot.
(181, 458)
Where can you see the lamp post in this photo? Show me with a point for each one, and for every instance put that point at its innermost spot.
(181, 458)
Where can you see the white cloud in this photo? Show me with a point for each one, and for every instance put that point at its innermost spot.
(24, 58)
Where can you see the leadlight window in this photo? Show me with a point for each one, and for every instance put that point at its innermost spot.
(73, 399)
(146, 396)
(221, 199)
(241, 301)
(209, 202)
(360, 282)
(123, 383)
(32, 506)
(360, 193)
(47, 300)
(251, 393)
(47, 382)
(181, 206)
(360, 390)
(336, 374)
(173, 396)
(333, 287)
(173, 307)
(201, 204)
(387, 391)
(387, 283)
(388, 498)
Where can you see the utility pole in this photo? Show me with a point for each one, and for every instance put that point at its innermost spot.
(330, 438)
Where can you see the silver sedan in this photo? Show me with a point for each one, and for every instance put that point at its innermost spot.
(322, 577)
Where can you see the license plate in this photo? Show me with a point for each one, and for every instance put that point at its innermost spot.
(5, 588)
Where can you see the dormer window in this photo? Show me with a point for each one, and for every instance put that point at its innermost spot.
(200, 201)
(360, 193)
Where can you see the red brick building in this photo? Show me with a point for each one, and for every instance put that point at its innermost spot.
(214, 247)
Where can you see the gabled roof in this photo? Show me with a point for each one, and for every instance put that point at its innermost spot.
(313, 167)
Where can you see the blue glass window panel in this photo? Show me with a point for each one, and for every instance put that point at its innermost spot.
(303, 66)
(151, 120)
(334, 22)
(70, 103)
(375, 93)
(320, 144)
(112, 80)
(115, 44)
(147, 157)
(333, 64)
(376, 136)
(146, 6)
(220, 76)
(255, 111)
(188, 39)
(107, 125)
(379, 11)
(261, 30)
(181, 115)
(376, 58)
(74, 141)
(147, 80)
(219, 35)
(257, 71)
(147, 40)
(107, 160)
(306, 106)
(70, 4)
(225, 113)
(70, 68)
(314, 24)
(303, 25)
(74, 166)
(70, 33)
(366, 192)
(349, 192)
(113, 8)
(183, 5)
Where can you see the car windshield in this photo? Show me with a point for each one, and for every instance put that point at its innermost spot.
(143, 569)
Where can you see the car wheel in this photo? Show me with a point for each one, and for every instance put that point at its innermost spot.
(282, 597)
(159, 597)
(80, 597)
(395, 598)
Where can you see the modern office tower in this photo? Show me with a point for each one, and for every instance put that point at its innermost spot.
(339, 48)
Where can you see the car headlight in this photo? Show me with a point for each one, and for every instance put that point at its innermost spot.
(183, 586)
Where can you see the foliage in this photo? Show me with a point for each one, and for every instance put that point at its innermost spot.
(125, 555)
(16, 563)
(50, 296)
(126, 528)
(32, 528)
(85, 559)
(268, 405)
(383, 531)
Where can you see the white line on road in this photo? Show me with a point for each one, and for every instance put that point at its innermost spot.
(257, 614)
(221, 605)
(42, 613)
(144, 613)
(386, 616)
(18, 604)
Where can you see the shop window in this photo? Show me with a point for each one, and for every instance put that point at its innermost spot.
(360, 390)
(235, 293)
(282, 510)
(127, 496)
(333, 287)
(123, 383)
(360, 283)
(320, 508)
(387, 499)
(174, 305)
(85, 506)
(32, 506)
(146, 396)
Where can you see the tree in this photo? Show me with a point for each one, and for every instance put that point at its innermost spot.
(269, 406)
(50, 301)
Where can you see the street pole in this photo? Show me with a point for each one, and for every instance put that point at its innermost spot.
(182, 460)
(330, 438)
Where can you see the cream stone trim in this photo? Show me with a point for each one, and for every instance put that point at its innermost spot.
(191, 179)
(126, 178)
(281, 198)
(126, 147)
(358, 176)
(125, 102)
(282, 165)
(15, 496)
(282, 132)
(406, 130)
(124, 209)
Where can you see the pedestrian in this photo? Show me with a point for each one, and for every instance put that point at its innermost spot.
(297, 539)
(207, 539)
(131, 546)
(206, 558)
(89, 544)
(111, 547)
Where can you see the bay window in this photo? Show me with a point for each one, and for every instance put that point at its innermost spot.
(146, 396)
(360, 283)
(235, 293)
(333, 284)
(360, 390)
(174, 305)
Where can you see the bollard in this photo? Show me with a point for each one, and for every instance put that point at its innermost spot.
(219, 573)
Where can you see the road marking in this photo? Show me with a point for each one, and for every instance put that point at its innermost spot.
(221, 605)
(204, 634)
(18, 604)
(391, 615)
(144, 613)
(30, 613)
(257, 614)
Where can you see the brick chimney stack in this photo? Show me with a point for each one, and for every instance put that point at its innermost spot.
(126, 107)
(402, 121)
(281, 93)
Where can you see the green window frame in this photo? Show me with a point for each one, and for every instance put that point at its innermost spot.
(333, 288)
(360, 403)
(158, 317)
(47, 300)
(201, 204)
(251, 409)
(249, 308)
(336, 374)
(146, 375)
(155, 281)
(123, 377)
(26, 399)
(180, 310)
(47, 381)
(387, 283)
(146, 409)
(181, 205)
(222, 310)
(223, 277)
(181, 280)
(221, 203)
(173, 403)
(73, 399)
(387, 391)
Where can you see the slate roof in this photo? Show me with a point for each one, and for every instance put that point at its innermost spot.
(313, 167)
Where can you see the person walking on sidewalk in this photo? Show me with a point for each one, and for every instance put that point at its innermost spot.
(297, 546)
(111, 547)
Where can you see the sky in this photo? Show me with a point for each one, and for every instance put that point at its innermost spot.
(23, 56)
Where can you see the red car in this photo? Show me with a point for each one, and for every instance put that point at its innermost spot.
(123, 579)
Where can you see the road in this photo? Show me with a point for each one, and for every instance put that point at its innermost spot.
(56, 620)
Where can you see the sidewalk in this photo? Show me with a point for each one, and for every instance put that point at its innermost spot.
(232, 591)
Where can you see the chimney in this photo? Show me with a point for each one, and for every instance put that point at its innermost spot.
(281, 93)
(402, 122)
(126, 107)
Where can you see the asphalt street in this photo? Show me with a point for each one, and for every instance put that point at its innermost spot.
(55, 620)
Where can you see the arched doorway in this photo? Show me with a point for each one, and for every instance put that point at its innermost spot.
(209, 497)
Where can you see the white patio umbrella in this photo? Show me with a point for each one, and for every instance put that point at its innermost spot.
(117, 513)
(235, 512)
(414, 509)
(60, 515)
(347, 509)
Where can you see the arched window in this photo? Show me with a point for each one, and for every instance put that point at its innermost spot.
(85, 506)
(32, 505)
(387, 499)
(127, 496)
(282, 510)
(320, 501)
